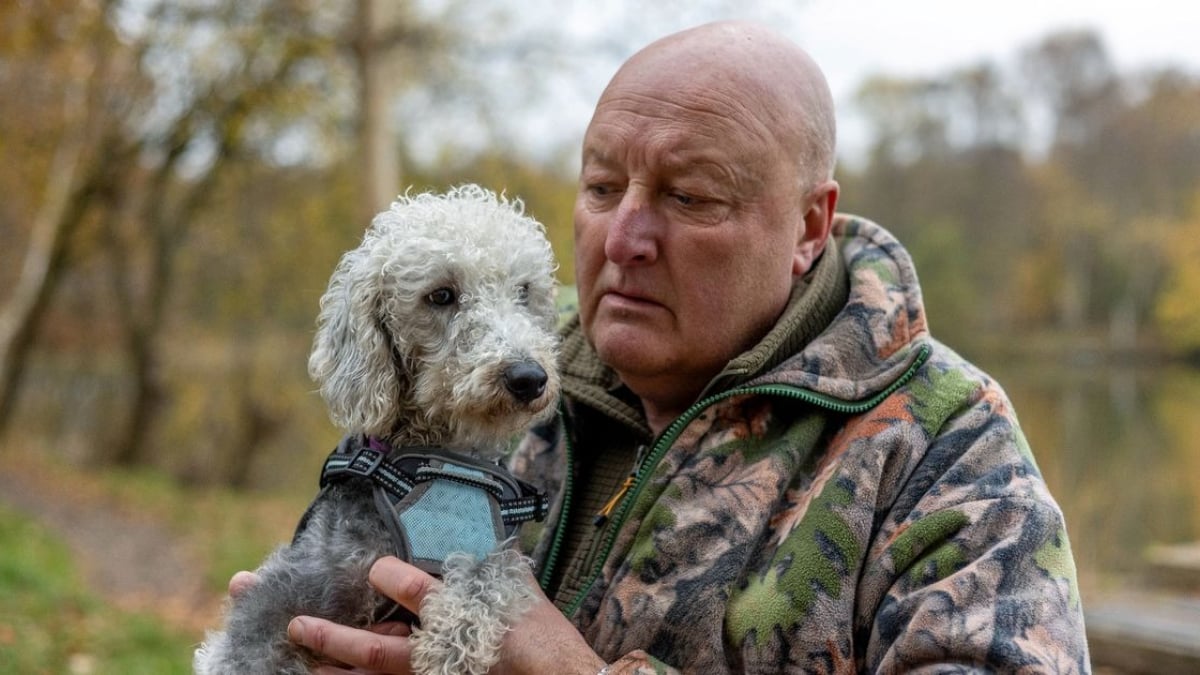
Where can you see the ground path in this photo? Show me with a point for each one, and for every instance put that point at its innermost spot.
(133, 560)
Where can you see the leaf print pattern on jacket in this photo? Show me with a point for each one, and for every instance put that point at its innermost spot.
(867, 505)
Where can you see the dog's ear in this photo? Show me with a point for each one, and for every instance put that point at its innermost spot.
(351, 357)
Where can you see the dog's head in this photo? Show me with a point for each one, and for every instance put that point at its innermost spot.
(440, 326)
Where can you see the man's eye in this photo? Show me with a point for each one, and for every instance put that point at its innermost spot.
(600, 190)
(442, 297)
(684, 199)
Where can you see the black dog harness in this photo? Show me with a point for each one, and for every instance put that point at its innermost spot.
(435, 502)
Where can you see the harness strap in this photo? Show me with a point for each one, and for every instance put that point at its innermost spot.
(366, 463)
(374, 461)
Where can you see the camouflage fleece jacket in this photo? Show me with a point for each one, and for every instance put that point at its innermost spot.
(867, 504)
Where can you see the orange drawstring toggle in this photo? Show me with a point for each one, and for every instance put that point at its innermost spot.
(602, 516)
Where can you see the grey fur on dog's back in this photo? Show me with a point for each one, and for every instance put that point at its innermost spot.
(323, 574)
(394, 363)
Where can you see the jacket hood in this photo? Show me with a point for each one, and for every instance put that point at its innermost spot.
(879, 333)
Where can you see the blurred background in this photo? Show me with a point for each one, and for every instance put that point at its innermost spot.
(179, 177)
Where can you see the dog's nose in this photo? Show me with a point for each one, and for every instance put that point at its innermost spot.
(525, 380)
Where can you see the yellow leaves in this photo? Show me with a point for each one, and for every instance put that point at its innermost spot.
(1177, 312)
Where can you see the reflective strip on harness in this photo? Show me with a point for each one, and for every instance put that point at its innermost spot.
(366, 463)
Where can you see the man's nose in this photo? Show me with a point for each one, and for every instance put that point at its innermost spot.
(632, 234)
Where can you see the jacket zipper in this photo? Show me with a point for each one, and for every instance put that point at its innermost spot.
(671, 434)
(564, 509)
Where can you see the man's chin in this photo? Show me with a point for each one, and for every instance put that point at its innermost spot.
(628, 351)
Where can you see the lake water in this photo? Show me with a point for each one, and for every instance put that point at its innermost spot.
(1120, 450)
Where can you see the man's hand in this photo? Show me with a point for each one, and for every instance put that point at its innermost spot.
(382, 648)
(542, 641)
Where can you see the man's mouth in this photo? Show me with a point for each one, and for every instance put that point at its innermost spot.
(628, 299)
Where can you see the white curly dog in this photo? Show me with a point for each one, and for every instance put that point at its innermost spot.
(436, 334)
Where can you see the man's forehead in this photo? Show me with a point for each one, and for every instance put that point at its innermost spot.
(680, 140)
(607, 152)
(736, 167)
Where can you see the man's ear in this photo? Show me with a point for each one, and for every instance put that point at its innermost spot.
(820, 206)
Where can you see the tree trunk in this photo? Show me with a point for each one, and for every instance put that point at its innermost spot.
(377, 142)
(59, 212)
(1075, 295)
(128, 447)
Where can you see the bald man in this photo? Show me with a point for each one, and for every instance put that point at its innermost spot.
(765, 462)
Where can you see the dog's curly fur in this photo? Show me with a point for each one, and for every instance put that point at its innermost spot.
(417, 335)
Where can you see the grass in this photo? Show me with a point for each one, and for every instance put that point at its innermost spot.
(237, 529)
(52, 624)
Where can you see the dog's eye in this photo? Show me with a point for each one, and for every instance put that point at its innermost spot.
(523, 293)
(442, 297)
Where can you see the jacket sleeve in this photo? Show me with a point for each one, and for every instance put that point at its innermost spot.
(972, 568)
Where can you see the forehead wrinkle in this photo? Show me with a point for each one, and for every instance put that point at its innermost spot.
(678, 137)
(705, 111)
(671, 162)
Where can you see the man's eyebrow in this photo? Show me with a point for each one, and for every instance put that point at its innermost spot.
(592, 155)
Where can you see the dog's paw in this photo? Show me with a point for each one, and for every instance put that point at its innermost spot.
(464, 621)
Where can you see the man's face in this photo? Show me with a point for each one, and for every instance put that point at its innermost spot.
(686, 223)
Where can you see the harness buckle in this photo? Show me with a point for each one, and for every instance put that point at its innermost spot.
(365, 461)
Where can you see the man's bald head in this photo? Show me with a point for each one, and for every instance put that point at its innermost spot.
(749, 67)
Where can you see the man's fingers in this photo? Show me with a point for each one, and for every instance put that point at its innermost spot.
(401, 582)
(334, 670)
(241, 582)
(352, 646)
(392, 628)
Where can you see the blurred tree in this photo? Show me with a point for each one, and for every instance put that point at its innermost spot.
(1132, 149)
(180, 89)
(950, 290)
(377, 139)
(1177, 311)
(386, 40)
(1056, 272)
(1071, 76)
(1144, 154)
(59, 55)
(945, 157)
(1061, 176)
(1146, 167)
(228, 71)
